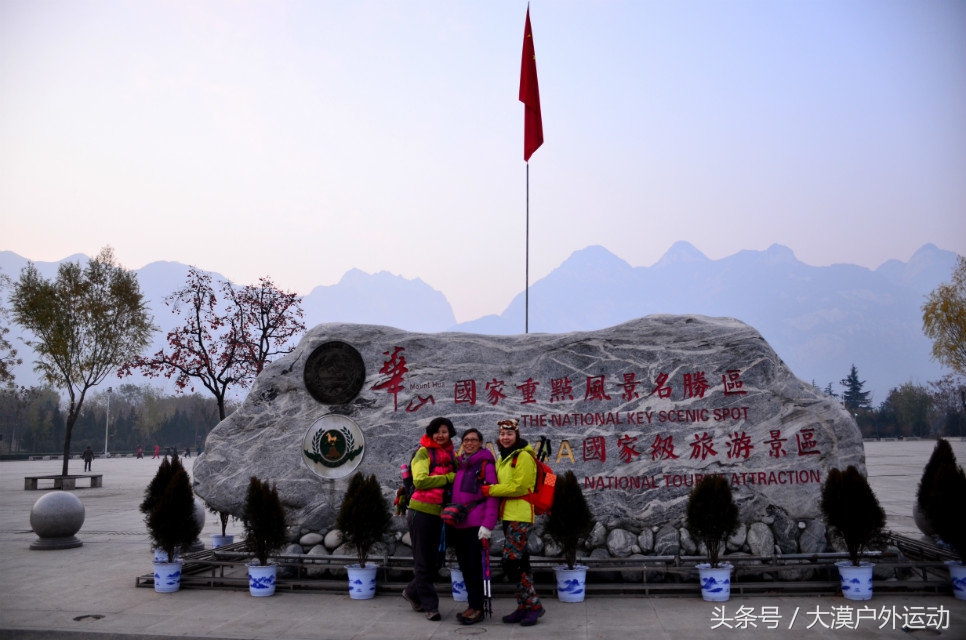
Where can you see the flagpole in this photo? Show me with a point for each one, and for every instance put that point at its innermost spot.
(532, 139)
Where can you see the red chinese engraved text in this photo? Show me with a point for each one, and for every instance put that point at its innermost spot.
(663, 448)
(595, 449)
(732, 383)
(529, 391)
(702, 447)
(494, 391)
(561, 389)
(595, 389)
(464, 392)
(661, 390)
(395, 368)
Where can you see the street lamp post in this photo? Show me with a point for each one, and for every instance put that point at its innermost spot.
(107, 419)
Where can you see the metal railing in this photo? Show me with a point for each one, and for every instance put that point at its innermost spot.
(912, 567)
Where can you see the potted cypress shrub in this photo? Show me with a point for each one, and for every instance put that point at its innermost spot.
(169, 509)
(264, 521)
(852, 511)
(712, 516)
(568, 523)
(225, 538)
(941, 454)
(946, 511)
(364, 518)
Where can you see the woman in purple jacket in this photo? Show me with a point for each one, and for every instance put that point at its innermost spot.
(474, 468)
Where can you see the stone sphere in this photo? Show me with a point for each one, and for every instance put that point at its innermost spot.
(55, 518)
(199, 513)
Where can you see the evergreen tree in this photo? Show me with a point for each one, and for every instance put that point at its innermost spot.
(854, 397)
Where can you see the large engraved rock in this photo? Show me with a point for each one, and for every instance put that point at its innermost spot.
(639, 412)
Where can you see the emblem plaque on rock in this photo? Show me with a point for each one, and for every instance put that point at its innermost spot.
(334, 373)
(333, 446)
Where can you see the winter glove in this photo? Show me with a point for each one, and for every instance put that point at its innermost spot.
(484, 533)
(486, 490)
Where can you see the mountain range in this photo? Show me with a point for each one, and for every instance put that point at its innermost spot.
(820, 320)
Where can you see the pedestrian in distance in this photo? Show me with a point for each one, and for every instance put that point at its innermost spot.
(88, 457)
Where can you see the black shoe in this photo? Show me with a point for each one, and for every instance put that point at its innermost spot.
(433, 616)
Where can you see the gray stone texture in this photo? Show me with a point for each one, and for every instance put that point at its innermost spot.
(784, 529)
(632, 444)
(812, 539)
(761, 540)
(621, 543)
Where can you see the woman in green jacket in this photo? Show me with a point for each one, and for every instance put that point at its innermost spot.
(516, 474)
(433, 472)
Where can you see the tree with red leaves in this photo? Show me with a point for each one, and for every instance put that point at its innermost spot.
(228, 336)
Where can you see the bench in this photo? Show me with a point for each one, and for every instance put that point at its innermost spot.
(64, 482)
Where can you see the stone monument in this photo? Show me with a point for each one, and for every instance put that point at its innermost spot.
(638, 412)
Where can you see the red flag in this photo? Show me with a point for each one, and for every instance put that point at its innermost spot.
(530, 95)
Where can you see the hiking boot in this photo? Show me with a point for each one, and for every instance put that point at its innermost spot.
(515, 617)
(530, 618)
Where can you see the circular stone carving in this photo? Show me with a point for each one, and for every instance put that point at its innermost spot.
(55, 518)
(334, 373)
(333, 446)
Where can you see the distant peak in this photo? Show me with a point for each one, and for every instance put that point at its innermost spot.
(680, 252)
(780, 253)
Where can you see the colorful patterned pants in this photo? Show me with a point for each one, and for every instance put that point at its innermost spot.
(516, 563)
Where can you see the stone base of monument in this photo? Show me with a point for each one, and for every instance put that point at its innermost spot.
(362, 581)
(571, 583)
(55, 518)
(856, 580)
(957, 572)
(715, 582)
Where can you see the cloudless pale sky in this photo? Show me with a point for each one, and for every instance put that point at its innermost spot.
(301, 139)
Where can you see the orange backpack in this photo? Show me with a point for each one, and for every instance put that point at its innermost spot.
(542, 495)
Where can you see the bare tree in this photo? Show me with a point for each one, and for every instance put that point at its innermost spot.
(227, 335)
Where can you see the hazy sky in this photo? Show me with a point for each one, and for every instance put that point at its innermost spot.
(301, 139)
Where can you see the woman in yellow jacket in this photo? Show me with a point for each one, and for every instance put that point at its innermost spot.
(516, 474)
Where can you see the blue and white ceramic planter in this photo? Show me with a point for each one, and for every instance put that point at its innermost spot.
(218, 540)
(261, 579)
(458, 585)
(856, 580)
(362, 581)
(957, 571)
(715, 582)
(167, 576)
(571, 583)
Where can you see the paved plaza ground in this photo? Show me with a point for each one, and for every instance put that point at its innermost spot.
(89, 592)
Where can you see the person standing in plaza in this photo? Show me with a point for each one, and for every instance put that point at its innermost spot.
(433, 473)
(88, 457)
(517, 474)
(475, 467)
